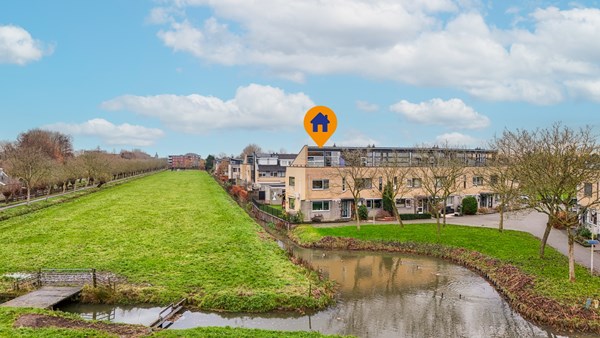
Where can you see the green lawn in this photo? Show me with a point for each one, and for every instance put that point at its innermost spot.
(514, 247)
(173, 235)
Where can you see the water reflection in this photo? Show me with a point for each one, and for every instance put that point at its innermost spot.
(385, 295)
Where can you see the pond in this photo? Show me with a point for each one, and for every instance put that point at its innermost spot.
(381, 295)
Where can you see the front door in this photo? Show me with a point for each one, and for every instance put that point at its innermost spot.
(346, 208)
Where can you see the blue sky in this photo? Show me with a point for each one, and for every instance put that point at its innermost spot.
(213, 76)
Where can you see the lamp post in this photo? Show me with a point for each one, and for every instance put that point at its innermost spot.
(592, 242)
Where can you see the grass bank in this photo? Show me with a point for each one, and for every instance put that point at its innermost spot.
(42, 323)
(6, 211)
(537, 288)
(171, 235)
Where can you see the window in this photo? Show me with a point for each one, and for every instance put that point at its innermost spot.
(262, 174)
(439, 181)
(292, 181)
(343, 184)
(281, 174)
(380, 183)
(320, 184)
(364, 183)
(477, 180)
(405, 202)
(587, 190)
(374, 204)
(320, 206)
(273, 174)
(292, 203)
(494, 179)
(413, 182)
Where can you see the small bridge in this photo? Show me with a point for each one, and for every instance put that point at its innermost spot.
(53, 286)
(45, 298)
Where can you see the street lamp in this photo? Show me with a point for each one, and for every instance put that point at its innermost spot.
(592, 242)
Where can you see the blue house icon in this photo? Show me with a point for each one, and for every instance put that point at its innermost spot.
(320, 120)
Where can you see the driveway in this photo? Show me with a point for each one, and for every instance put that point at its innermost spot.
(532, 222)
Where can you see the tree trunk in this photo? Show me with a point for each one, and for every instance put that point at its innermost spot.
(357, 216)
(28, 194)
(571, 240)
(501, 224)
(397, 215)
(545, 239)
(444, 217)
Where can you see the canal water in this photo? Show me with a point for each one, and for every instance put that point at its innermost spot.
(381, 295)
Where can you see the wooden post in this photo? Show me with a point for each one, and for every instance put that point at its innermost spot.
(94, 278)
(39, 277)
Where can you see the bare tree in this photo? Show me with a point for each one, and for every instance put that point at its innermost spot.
(499, 174)
(97, 166)
(439, 170)
(251, 149)
(55, 145)
(356, 176)
(30, 164)
(552, 166)
(394, 173)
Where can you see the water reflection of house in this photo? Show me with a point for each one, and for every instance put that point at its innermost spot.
(315, 186)
(363, 274)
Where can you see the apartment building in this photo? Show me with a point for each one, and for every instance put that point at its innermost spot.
(314, 183)
(187, 161)
(269, 176)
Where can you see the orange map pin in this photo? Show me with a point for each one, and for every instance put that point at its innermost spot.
(320, 123)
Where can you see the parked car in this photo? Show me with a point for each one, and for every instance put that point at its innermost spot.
(448, 210)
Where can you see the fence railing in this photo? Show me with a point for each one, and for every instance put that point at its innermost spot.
(268, 209)
(267, 217)
(58, 277)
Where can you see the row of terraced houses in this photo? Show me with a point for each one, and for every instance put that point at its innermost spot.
(310, 181)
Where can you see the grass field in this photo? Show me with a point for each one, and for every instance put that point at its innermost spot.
(172, 235)
(514, 247)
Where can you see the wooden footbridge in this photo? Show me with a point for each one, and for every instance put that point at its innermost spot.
(52, 286)
(45, 298)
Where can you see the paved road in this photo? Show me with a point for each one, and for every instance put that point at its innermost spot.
(531, 222)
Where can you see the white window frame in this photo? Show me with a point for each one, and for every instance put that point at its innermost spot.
(324, 184)
(312, 205)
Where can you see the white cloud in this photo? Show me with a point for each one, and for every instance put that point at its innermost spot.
(253, 107)
(123, 134)
(354, 138)
(366, 106)
(424, 43)
(18, 47)
(457, 140)
(453, 113)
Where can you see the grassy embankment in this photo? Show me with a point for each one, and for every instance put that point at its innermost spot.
(39, 203)
(171, 235)
(538, 288)
(8, 316)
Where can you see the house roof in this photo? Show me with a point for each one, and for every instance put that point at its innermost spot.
(320, 119)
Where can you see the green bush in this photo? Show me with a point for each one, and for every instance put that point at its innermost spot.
(363, 213)
(469, 205)
(388, 198)
(584, 232)
(408, 217)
